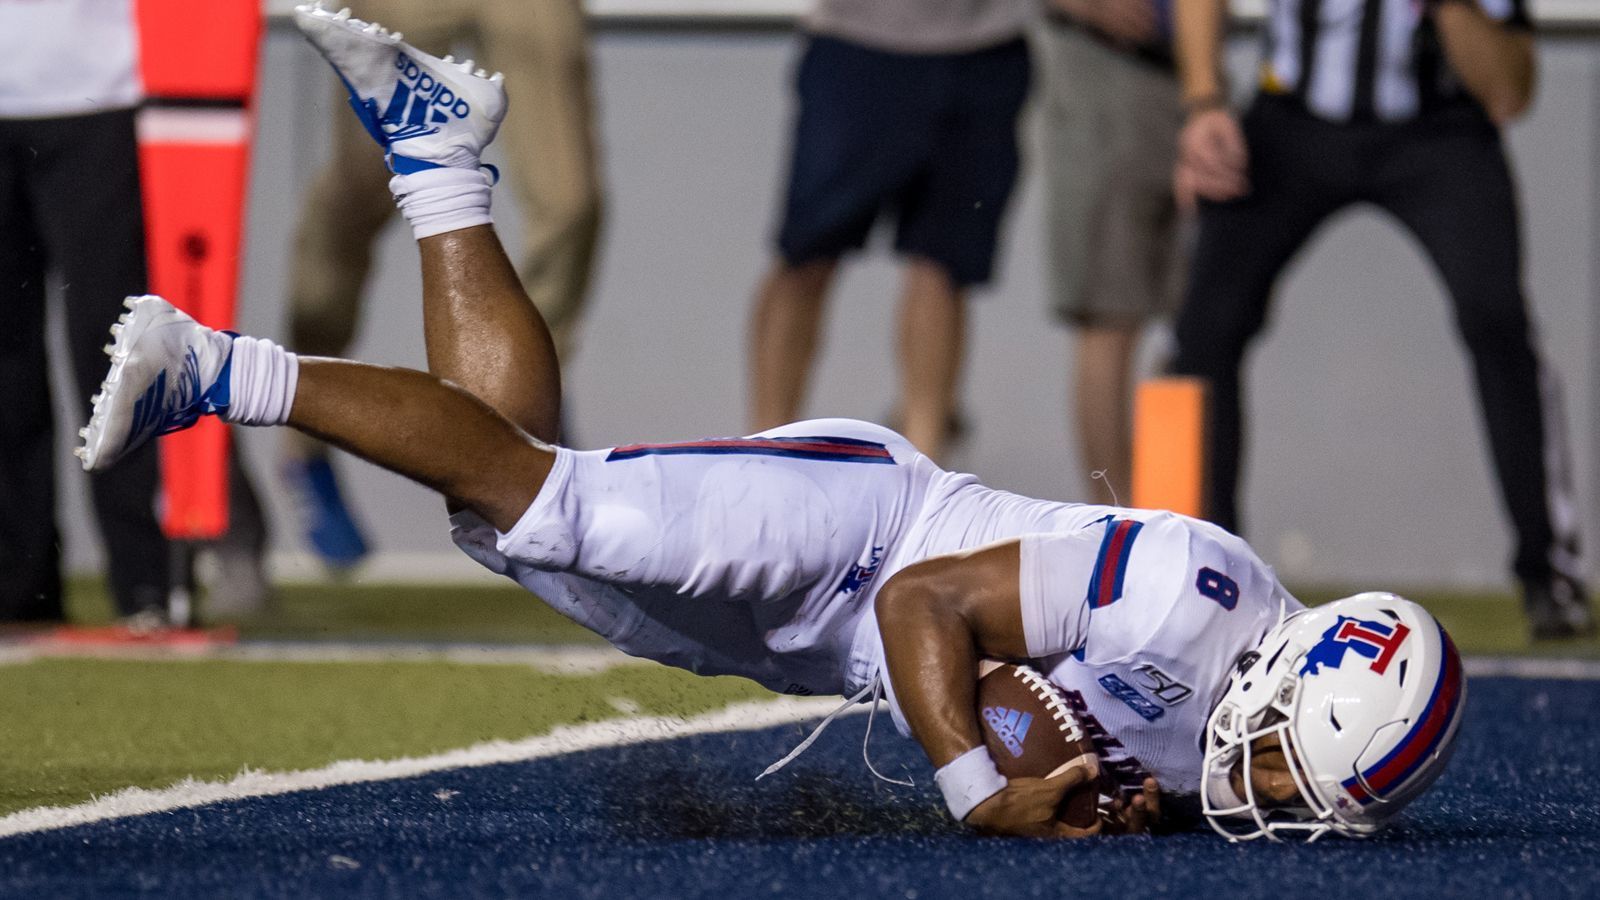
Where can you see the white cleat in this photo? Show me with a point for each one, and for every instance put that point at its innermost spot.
(167, 370)
(425, 111)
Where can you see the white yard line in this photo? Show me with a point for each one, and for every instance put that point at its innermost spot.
(565, 739)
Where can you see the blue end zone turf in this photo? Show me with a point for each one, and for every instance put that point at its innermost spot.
(1514, 816)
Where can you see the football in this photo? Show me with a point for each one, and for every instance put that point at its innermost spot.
(1031, 732)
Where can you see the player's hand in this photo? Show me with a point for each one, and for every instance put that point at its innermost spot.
(1213, 162)
(1135, 815)
(1027, 807)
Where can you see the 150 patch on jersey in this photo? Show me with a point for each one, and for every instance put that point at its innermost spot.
(1167, 689)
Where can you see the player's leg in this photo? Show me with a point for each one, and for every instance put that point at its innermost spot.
(549, 142)
(435, 117)
(343, 213)
(427, 430)
(1455, 193)
(484, 335)
(167, 371)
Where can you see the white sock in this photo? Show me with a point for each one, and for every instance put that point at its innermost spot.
(435, 201)
(261, 387)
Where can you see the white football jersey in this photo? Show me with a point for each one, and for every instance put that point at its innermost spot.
(1143, 646)
(761, 557)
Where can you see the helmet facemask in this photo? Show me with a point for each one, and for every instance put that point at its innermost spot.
(1262, 701)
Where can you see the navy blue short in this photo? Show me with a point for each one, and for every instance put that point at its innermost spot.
(928, 139)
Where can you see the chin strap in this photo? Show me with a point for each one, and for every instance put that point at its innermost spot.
(875, 689)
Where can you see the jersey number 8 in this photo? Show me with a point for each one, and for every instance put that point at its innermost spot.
(1218, 587)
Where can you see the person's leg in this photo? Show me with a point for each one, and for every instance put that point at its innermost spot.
(1112, 231)
(931, 347)
(85, 190)
(1241, 247)
(1452, 188)
(858, 138)
(341, 214)
(783, 339)
(1102, 394)
(949, 223)
(550, 145)
(29, 542)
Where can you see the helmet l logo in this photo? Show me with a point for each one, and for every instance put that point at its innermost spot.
(1373, 640)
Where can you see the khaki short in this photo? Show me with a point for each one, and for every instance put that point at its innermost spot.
(1111, 124)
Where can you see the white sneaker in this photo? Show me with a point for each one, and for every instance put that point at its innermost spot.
(167, 370)
(424, 111)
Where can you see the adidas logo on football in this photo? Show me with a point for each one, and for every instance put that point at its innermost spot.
(420, 103)
(1010, 725)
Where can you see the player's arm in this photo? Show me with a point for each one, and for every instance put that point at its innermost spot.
(938, 618)
(1495, 60)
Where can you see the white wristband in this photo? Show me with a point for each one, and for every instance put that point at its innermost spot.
(968, 780)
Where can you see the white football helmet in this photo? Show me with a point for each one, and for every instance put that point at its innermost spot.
(1365, 695)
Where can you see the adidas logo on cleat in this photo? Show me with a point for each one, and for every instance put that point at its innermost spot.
(420, 103)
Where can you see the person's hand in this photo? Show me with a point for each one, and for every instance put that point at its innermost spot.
(1128, 22)
(1136, 815)
(1213, 162)
(1027, 807)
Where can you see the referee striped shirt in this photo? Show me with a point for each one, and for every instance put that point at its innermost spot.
(1364, 60)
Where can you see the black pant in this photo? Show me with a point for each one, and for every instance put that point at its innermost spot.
(1445, 178)
(70, 206)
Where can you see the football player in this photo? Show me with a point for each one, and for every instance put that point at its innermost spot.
(824, 557)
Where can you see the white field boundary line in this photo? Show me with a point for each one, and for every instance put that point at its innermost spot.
(554, 659)
(190, 793)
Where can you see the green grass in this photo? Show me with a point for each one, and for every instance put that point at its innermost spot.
(75, 728)
(359, 610)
